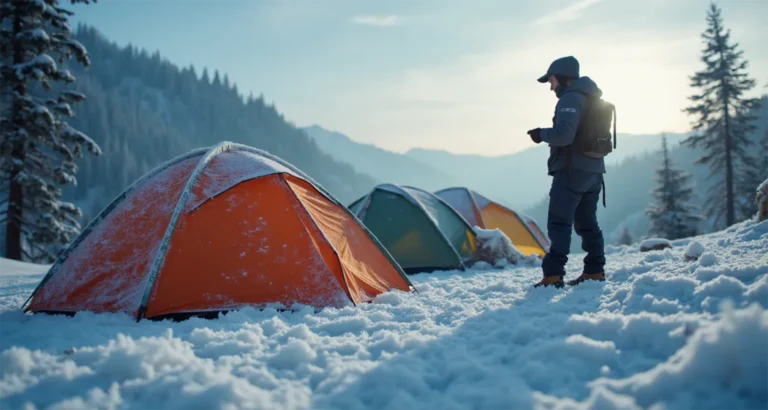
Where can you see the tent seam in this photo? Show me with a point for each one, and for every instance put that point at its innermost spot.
(369, 198)
(516, 215)
(522, 222)
(418, 204)
(467, 227)
(162, 252)
(333, 248)
(475, 207)
(104, 213)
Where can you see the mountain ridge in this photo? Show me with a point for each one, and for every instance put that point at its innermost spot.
(494, 176)
(380, 164)
(143, 110)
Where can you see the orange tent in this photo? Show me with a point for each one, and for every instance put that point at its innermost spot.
(215, 230)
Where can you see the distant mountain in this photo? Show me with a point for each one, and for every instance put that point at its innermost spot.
(384, 166)
(433, 170)
(632, 145)
(628, 145)
(517, 180)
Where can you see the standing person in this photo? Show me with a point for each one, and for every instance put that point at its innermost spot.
(577, 144)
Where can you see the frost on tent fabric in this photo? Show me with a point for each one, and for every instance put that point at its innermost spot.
(218, 230)
(108, 270)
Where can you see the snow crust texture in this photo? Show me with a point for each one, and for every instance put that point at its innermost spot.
(665, 331)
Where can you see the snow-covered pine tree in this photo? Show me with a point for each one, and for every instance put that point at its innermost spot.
(724, 117)
(672, 216)
(750, 178)
(762, 154)
(625, 237)
(38, 149)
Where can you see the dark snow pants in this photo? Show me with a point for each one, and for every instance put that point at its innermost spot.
(573, 201)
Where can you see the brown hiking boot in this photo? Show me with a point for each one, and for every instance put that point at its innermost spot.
(587, 276)
(556, 281)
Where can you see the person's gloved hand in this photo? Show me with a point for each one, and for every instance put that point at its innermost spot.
(535, 135)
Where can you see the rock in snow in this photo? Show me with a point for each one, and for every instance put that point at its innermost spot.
(654, 244)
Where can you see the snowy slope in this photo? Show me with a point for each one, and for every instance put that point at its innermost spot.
(662, 331)
(17, 280)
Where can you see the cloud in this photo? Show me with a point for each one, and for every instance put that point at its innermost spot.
(485, 101)
(376, 21)
(570, 13)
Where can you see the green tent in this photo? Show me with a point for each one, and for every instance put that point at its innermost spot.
(420, 230)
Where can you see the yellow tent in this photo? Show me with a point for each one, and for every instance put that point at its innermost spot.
(487, 214)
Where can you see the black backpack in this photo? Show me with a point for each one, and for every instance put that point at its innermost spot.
(593, 138)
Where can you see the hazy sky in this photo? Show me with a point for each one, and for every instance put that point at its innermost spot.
(447, 74)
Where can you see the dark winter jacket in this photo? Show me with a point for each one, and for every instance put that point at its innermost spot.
(570, 107)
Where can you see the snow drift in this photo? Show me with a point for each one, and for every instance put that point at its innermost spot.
(495, 249)
(663, 331)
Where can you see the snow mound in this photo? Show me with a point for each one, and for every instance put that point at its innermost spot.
(721, 366)
(495, 248)
(708, 259)
(694, 250)
(293, 354)
(654, 244)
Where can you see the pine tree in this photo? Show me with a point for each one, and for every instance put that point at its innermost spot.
(724, 116)
(625, 237)
(762, 153)
(750, 178)
(38, 149)
(672, 216)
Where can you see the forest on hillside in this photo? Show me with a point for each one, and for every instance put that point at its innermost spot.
(142, 111)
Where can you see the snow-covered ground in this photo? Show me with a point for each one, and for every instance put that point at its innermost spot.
(664, 331)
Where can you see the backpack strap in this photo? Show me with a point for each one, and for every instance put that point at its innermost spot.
(569, 149)
(603, 183)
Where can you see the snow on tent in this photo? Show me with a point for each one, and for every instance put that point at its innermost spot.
(487, 214)
(420, 231)
(215, 230)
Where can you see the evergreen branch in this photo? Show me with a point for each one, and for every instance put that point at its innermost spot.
(28, 256)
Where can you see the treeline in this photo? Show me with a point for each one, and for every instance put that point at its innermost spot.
(142, 110)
